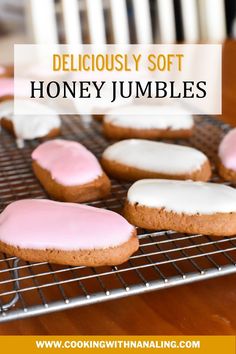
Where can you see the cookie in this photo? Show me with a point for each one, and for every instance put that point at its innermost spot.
(6, 88)
(182, 206)
(65, 233)
(227, 157)
(28, 127)
(6, 71)
(146, 122)
(135, 159)
(98, 117)
(69, 172)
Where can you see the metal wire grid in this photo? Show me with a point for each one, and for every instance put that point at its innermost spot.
(164, 259)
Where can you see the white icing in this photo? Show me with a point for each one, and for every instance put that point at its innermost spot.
(148, 117)
(29, 126)
(184, 196)
(155, 156)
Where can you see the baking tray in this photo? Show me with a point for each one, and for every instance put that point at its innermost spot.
(164, 259)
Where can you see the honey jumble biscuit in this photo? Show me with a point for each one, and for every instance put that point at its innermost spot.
(182, 206)
(6, 88)
(28, 127)
(135, 159)
(146, 122)
(65, 233)
(69, 172)
(6, 71)
(6, 83)
(227, 157)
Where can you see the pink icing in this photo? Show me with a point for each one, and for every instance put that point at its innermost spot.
(6, 87)
(2, 70)
(69, 162)
(227, 150)
(41, 224)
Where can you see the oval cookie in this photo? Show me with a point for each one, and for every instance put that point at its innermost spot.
(65, 233)
(147, 122)
(183, 206)
(6, 71)
(28, 127)
(6, 88)
(69, 172)
(227, 157)
(135, 159)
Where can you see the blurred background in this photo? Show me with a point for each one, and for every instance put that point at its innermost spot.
(114, 21)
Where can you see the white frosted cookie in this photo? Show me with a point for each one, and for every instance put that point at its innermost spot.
(184, 206)
(146, 122)
(27, 127)
(135, 159)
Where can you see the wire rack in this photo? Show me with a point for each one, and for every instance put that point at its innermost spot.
(164, 259)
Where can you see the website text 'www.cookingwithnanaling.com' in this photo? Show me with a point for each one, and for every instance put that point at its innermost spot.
(117, 344)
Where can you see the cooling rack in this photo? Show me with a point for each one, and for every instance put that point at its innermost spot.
(164, 259)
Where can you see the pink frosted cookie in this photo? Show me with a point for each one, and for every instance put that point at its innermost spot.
(65, 233)
(227, 157)
(6, 88)
(2, 70)
(6, 71)
(69, 172)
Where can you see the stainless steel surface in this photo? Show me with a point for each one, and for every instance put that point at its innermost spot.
(164, 259)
